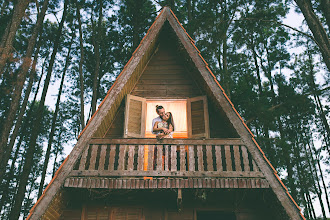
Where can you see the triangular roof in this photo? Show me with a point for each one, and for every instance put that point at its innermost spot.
(121, 87)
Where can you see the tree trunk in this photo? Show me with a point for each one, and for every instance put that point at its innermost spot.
(226, 75)
(317, 29)
(316, 183)
(311, 205)
(15, 212)
(20, 80)
(23, 131)
(52, 131)
(6, 156)
(255, 59)
(81, 76)
(96, 43)
(10, 32)
(325, 8)
(314, 91)
(312, 151)
(10, 175)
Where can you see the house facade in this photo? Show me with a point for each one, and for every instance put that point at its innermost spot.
(212, 168)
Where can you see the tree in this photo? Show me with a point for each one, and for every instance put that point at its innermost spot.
(320, 36)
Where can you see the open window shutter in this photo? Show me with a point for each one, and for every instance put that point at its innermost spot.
(198, 117)
(134, 116)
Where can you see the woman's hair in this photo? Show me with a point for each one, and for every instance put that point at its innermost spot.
(170, 120)
(158, 107)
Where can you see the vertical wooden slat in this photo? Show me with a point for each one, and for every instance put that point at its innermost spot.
(102, 157)
(182, 158)
(83, 159)
(191, 158)
(166, 167)
(173, 158)
(130, 162)
(245, 158)
(121, 159)
(228, 158)
(140, 157)
(209, 158)
(218, 157)
(112, 155)
(93, 157)
(255, 167)
(151, 157)
(159, 157)
(200, 158)
(237, 158)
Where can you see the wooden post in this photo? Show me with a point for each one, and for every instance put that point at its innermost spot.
(218, 158)
(182, 158)
(140, 157)
(173, 158)
(237, 158)
(200, 158)
(209, 158)
(191, 158)
(179, 200)
(228, 158)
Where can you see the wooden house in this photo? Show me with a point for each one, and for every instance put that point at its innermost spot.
(212, 169)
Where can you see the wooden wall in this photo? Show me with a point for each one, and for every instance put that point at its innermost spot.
(162, 204)
(169, 76)
(165, 76)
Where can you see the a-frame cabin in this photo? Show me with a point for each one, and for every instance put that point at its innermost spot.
(212, 169)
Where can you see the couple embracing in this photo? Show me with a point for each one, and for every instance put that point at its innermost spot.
(163, 125)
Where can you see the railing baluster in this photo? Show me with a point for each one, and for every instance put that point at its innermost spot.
(112, 155)
(209, 158)
(237, 158)
(159, 157)
(102, 156)
(228, 158)
(182, 158)
(255, 167)
(245, 158)
(218, 158)
(130, 160)
(173, 158)
(166, 167)
(151, 157)
(93, 157)
(191, 158)
(83, 159)
(121, 159)
(200, 158)
(140, 157)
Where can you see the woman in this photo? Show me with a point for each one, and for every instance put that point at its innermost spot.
(167, 123)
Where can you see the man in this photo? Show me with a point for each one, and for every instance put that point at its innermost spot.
(161, 112)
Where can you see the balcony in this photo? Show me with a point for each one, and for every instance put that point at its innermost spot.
(171, 163)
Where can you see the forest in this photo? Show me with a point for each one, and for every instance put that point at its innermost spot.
(59, 58)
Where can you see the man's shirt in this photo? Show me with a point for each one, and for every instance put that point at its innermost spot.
(158, 119)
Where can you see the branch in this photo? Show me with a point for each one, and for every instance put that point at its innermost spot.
(279, 23)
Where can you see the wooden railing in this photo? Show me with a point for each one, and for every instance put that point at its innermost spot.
(169, 157)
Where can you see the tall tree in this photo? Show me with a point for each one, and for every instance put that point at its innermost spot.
(35, 132)
(10, 32)
(24, 68)
(81, 76)
(96, 36)
(54, 119)
(316, 27)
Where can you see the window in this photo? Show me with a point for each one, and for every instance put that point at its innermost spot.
(178, 108)
(190, 116)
